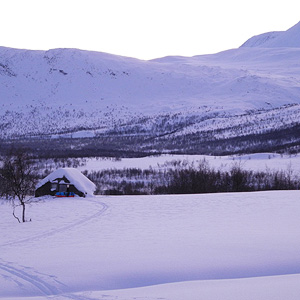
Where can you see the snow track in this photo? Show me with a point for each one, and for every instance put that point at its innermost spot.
(107, 297)
(98, 213)
(82, 297)
(22, 276)
(31, 281)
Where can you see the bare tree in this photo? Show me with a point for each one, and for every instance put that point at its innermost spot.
(18, 178)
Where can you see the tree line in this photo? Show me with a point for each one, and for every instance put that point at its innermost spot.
(190, 179)
(20, 171)
(139, 144)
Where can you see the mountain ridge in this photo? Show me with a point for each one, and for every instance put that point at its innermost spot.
(276, 39)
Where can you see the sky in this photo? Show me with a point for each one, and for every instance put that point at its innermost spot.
(143, 29)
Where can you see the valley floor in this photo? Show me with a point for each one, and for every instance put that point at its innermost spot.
(254, 162)
(212, 246)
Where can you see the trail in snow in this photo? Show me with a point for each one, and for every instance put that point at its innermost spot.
(28, 278)
(49, 233)
(46, 284)
(104, 297)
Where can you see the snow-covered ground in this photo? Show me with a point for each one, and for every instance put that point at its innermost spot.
(212, 246)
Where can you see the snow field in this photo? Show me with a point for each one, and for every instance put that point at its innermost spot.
(180, 247)
(255, 162)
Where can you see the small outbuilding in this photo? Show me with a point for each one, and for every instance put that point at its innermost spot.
(65, 182)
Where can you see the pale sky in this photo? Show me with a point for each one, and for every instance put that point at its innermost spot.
(143, 29)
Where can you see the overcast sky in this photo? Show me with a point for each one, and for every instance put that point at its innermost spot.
(143, 29)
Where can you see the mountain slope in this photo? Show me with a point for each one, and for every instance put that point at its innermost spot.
(289, 38)
(68, 76)
(261, 39)
(75, 93)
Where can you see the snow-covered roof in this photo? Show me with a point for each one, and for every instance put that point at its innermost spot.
(81, 182)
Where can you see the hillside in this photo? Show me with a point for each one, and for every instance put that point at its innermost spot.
(278, 39)
(116, 102)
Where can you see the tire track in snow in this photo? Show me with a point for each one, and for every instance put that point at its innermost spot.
(20, 276)
(46, 234)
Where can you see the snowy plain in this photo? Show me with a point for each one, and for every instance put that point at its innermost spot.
(212, 246)
(255, 162)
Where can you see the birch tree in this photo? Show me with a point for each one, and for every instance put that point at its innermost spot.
(18, 178)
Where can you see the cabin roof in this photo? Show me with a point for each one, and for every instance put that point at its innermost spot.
(81, 182)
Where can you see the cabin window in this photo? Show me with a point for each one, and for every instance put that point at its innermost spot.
(53, 186)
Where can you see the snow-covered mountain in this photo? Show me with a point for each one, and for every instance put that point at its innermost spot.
(262, 39)
(73, 93)
(276, 39)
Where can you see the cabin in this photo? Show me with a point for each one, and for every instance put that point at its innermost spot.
(65, 182)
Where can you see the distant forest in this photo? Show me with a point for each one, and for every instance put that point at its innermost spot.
(183, 178)
(284, 140)
(174, 177)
